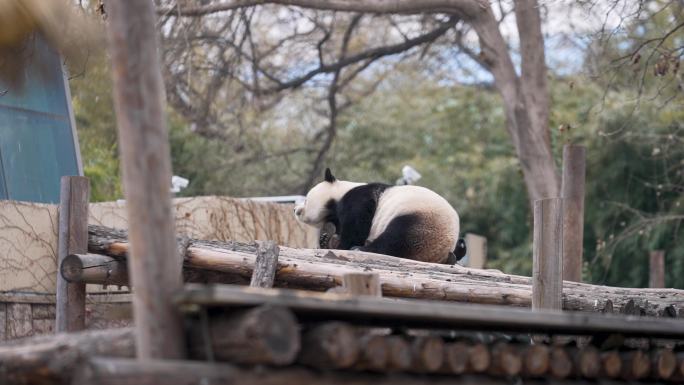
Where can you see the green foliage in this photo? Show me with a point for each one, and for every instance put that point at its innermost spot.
(93, 106)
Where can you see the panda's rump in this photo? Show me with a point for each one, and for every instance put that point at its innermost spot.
(414, 222)
(413, 236)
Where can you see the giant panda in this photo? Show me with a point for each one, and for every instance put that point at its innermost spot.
(403, 221)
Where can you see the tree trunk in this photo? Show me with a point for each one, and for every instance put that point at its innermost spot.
(525, 99)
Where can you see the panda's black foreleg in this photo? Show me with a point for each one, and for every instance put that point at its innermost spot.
(398, 239)
(355, 225)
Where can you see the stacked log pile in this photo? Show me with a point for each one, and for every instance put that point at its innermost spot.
(341, 346)
(318, 269)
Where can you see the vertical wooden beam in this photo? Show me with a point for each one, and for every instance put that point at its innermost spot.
(73, 238)
(154, 264)
(656, 273)
(572, 187)
(477, 250)
(265, 265)
(362, 284)
(547, 270)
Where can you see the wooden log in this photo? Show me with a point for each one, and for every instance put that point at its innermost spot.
(374, 352)
(586, 362)
(52, 358)
(399, 353)
(547, 269)
(479, 359)
(572, 192)
(560, 365)
(104, 371)
(362, 284)
(663, 364)
(261, 335)
(611, 364)
(94, 268)
(636, 365)
(73, 238)
(455, 358)
(656, 272)
(323, 269)
(374, 311)
(427, 354)
(506, 360)
(265, 265)
(146, 166)
(535, 360)
(330, 345)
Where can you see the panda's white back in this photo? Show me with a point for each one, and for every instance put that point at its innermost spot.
(402, 200)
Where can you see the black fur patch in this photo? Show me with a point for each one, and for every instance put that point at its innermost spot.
(458, 253)
(460, 250)
(400, 238)
(355, 212)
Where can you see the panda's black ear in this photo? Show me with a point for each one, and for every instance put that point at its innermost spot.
(329, 176)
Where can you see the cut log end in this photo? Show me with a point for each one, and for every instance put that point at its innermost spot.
(636, 365)
(664, 364)
(560, 363)
(589, 362)
(479, 358)
(456, 360)
(536, 360)
(611, 364)
(374, 352)
(506, 360)
(330, 345)
(428, 353)
(399, 353)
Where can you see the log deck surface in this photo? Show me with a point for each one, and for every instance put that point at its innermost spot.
(319, 269)
(420, 313)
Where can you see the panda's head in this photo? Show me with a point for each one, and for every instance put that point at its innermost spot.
(317, 208)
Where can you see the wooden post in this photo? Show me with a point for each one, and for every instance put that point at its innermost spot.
(73, 238)
(265, 265)
(477, 250)
(362, 284)
(547, 270)
(572, 187)
(154, 265)
(656, 275)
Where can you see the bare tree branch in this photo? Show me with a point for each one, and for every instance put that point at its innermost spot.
(464, 8)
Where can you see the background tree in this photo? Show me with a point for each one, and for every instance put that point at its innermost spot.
(263, 65)
(430, 106)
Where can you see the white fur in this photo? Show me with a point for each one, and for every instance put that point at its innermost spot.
(401, 200)
(313, 211)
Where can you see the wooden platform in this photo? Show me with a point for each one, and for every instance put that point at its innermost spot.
(374, 311)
